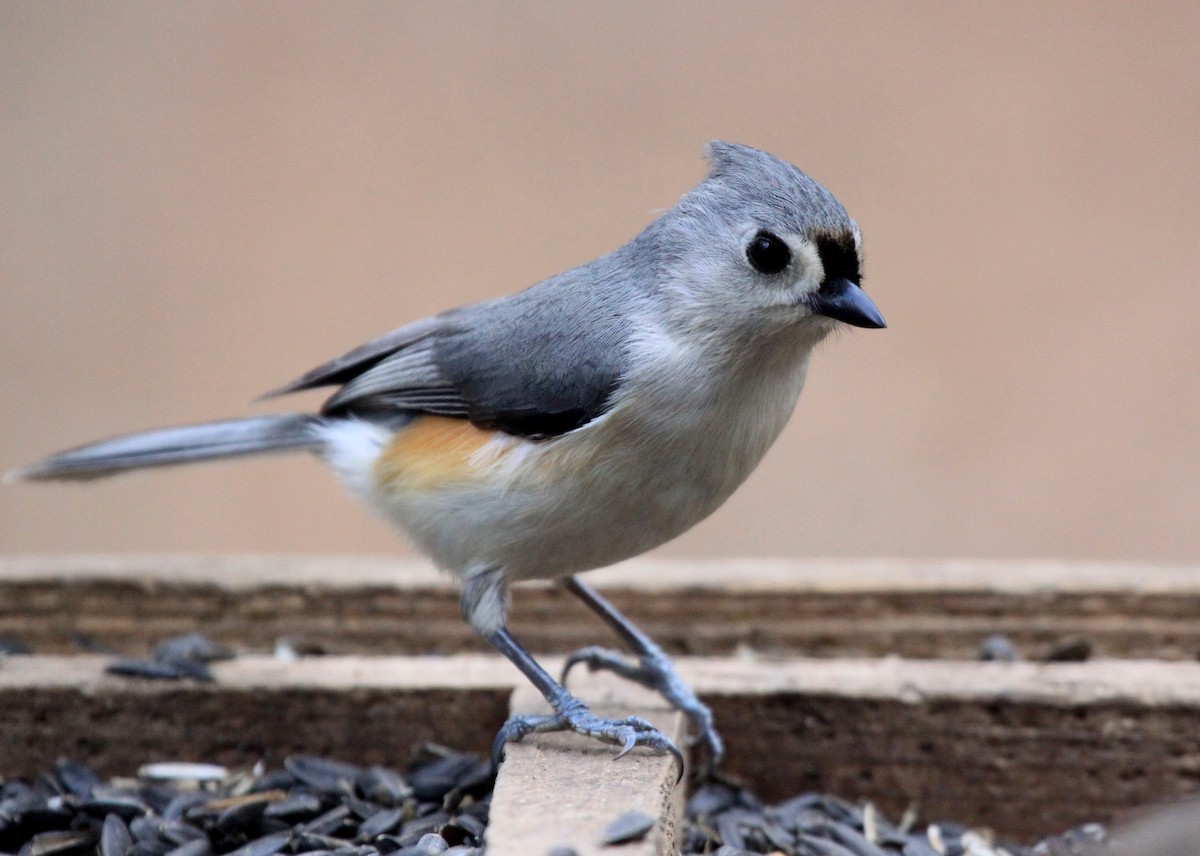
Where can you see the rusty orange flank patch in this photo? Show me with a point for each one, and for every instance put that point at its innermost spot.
(430, 451)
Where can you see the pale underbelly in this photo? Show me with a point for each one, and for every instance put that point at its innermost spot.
(542, 517)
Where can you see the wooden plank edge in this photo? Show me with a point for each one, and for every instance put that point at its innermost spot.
(563, 790)
(240, 572)
(340, 605)
(367, 710)
(1149, 682)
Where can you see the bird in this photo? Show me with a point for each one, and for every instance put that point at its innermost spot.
(582, 421)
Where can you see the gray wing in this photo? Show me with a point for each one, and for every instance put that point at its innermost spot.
(538, 363)
(352, 363)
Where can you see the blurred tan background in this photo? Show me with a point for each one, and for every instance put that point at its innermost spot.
(200, 201)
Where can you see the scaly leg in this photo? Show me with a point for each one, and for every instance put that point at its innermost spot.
(570, 714)
(484, 604)
(654, 668)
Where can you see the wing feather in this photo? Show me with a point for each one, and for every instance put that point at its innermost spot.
(409, 372)
(540, 362)
(341, 369)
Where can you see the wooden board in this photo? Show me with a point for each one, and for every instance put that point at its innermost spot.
(563, 790)
(1026, 749)
(810, 608)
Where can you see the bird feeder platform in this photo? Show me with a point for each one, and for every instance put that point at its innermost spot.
(861, 679)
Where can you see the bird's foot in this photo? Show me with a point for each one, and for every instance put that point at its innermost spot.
(655, 671)
(573, 715)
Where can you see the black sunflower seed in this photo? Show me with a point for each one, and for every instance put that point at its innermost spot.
(326, 823)
(107, 801)
(431, 844)
(362, 808)
(273, 780)
(436, 779)
(194, 647)
(823, 846)
(297, 807)
(10, 647)
(196, 847)
(157, 670)
(331, 777)
(181, 803)
(919, 846)
(711, 798)
(115, 839)
(853, 840)
(58, 843)
(242, 818)
(630, 826)
(76, 779)
(998, 648)
(412, 830)
(380, 823)
(470, 825)
(384, 786)
(310, 842)
(178, 832)
(146, 830)
(268, 845)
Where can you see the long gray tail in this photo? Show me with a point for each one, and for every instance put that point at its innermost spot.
(187, 444)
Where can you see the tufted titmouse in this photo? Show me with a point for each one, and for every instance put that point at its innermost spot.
(582, 421)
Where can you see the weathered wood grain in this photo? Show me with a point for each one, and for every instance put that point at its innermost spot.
(1026, 749)
(809, 608)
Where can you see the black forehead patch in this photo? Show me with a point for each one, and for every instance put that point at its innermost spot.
(838, 257)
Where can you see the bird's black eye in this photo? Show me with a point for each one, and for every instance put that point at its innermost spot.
(768, 253)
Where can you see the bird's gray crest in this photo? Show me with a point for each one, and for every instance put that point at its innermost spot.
(760, 186)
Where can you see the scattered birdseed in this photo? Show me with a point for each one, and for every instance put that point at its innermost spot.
(630, 826)
(177, 658)
(438, 807)
(1069, 651)
(169, 771)
(154, 670)
(725, 820)
(13, 648)
(999, 648)
(311, 806)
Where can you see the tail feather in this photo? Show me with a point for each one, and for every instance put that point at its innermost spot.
(184, 445)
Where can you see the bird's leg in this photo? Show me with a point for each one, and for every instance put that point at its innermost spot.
(570, 714)
(654, 668)
(484, 601)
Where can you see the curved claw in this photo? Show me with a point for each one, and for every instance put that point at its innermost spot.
(656, 672)
(515, 730)
(583, 655)
(628, 733)
(630, 742)
(497, 754)
(677, 755)
(656, 740)
(597, 659)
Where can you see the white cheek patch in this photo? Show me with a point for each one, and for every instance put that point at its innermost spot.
(812, 269)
